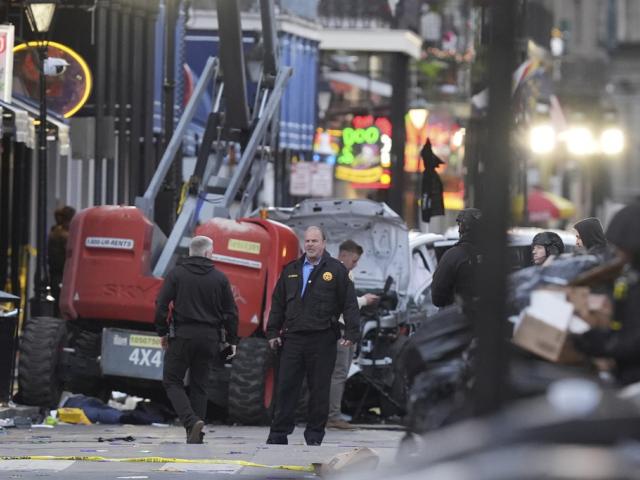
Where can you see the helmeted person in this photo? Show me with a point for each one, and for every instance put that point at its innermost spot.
(590, 236)
(621, 343)
(545, 245)
(454, 278)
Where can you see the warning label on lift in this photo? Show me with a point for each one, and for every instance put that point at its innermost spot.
(144, 341)
(243, 246)
(109, 242)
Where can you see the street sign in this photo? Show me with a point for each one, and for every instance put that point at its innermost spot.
(311, 179)
(6, 62)
(322, 180)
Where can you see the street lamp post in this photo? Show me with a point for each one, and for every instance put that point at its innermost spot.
(40, 15)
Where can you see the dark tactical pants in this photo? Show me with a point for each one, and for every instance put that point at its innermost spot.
(310, 354)
(195, 355)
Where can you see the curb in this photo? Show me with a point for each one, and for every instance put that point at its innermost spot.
(19, 411)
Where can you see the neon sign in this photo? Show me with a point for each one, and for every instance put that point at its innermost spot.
(356, 136)
(365, 153)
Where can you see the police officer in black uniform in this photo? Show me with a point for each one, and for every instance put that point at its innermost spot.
(308, 299)
(454, 278)
(202, 305)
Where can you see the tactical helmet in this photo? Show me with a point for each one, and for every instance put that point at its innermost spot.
(551, 242)
(468, 219)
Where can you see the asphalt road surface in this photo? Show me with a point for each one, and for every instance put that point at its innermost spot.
(228, 450)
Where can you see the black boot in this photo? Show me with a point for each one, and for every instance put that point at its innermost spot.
(194, 433)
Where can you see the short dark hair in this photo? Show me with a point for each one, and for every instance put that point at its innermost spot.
(350, 246)
(64, 214)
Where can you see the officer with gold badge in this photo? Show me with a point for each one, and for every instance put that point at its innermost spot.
(310, 296)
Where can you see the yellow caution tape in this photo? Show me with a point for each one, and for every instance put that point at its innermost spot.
(212, 461)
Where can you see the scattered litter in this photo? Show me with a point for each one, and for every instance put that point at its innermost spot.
(160, 425)
(359, 459)
(234, 453)
(42, 425)
(135, 476)
(73, 415)
(128, 438)
(144, 451)
(52, 419)
(6, 422)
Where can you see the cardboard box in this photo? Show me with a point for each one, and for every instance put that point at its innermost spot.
(595, 309)
(545, 340)
(545, 325)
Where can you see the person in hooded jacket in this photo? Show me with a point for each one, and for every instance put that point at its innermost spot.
(455, 275)
(203, 304)
(622, 341)
(544, 245)
(590, 236)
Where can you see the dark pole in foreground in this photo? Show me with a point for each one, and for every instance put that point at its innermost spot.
(490, 317)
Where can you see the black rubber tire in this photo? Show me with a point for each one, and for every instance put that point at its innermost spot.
(247, 382)
(40, 349)
(87, 346)
(86, 342)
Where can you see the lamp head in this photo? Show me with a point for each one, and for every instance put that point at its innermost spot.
(40, 14)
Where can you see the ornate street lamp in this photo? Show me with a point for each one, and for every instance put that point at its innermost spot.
(40, 15)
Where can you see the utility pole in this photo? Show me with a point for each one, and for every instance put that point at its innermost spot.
(169, 196)
(490, 315)
(100, 92)
(399, 85)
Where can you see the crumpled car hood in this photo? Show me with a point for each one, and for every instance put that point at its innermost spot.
(380, 231)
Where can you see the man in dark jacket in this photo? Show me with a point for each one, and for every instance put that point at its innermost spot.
(454, 278)
(590, 236)
(621, 343)
(202, 304)
(309, 297)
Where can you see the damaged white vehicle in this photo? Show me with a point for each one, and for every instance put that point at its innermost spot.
(396, 266)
